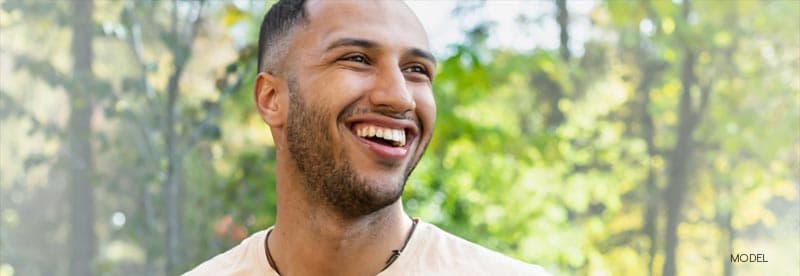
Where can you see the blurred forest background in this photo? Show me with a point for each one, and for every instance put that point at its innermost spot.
(129, 142)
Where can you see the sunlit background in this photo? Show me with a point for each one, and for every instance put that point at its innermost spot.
(589, 137)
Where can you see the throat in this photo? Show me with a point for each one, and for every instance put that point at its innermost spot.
(355, 256)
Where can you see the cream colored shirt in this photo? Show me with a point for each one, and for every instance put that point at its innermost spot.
(430, 251)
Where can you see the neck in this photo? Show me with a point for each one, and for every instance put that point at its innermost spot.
(311, 240)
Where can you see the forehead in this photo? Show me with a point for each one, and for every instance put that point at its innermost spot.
(389, 23)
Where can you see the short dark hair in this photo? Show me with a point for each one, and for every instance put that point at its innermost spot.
(278, 22)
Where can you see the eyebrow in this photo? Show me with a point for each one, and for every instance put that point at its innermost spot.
(423, 54)
(363, 43)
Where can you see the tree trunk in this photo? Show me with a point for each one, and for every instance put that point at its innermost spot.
(146, 209)
(678, 170)
(550, 90)
(180, 45)
(563, 23)
(727, 268)
(678, 166)
(79, 155)
(172, 182)
(651, 190)
(651, 70)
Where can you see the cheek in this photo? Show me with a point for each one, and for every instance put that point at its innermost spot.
(426, 109)
(337, 89)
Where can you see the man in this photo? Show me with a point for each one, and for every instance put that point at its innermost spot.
(346, 89)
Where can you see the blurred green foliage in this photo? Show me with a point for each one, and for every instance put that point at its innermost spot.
(559, 161)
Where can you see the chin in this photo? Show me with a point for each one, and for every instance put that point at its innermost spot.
(374, 194)
(387, 187)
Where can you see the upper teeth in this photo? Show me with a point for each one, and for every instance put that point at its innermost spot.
(396, 135)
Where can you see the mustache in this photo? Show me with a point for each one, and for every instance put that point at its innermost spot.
(380, 110)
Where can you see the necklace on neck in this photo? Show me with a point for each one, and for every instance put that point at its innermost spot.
(395, 253)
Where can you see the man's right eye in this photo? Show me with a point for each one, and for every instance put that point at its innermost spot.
(355, 58)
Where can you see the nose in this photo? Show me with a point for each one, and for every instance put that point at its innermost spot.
(391, 91)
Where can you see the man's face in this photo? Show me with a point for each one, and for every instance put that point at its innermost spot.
(361, 102)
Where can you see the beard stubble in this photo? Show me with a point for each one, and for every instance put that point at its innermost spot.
(335, 185)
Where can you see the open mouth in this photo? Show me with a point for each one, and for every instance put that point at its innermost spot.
(385, 136)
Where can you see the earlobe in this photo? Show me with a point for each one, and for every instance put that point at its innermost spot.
(269, 97)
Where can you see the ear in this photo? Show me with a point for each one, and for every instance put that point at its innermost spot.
(270, 94)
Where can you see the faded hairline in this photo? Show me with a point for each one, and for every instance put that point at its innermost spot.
(275, 36)
(274, 55)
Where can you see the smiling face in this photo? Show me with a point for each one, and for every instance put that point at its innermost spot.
(361, 108)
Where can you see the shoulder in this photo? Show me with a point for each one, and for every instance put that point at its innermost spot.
(438, 252)
(247, 258)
